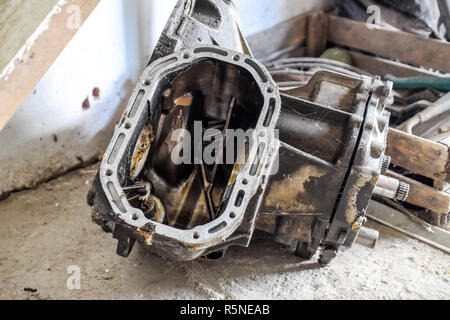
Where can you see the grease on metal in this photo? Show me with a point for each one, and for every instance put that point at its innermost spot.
(141, 151)
(148, 236)
(284, 194)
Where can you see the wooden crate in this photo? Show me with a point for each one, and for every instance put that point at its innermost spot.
(379, 51)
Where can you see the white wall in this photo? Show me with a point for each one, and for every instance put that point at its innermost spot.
(51, 133)
(257, 15)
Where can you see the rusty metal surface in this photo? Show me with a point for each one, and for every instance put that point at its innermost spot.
(333, 132)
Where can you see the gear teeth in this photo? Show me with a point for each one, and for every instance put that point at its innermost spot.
(385, 164)
(402, 191)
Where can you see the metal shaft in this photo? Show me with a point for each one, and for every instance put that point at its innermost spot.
(391, 188)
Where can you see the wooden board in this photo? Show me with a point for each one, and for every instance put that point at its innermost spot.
(383, 67)
(424, 196)
(39, 56)
(18, 20)
(288, 34)
(406, 47)
(421, 156)
(316, 35)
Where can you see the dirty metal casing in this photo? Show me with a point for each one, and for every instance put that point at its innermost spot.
(333, 133)
(240, 203)
(313, 181)
(201, 22)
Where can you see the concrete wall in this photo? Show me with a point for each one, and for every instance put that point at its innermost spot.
(52, 133)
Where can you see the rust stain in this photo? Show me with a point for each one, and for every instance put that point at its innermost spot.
(96, 93)
(236, 170)
(184, 101)
(358, 223)
(86, 105)
(141, 151)
(283, 194)
(148, 236)
(160, 210)
(351, 213)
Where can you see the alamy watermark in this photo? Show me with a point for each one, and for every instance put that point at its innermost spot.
(374, 19)
(74, 19)
(73, 281)
(213, 146)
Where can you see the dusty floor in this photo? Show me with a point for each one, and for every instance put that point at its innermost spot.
(46, 230)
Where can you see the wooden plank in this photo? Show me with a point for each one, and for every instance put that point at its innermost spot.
(316, 34)
(288, 34)
(406, 47)
(424, 196)
(18, 20)
(39, 56)
(383, 67)
(418, 155)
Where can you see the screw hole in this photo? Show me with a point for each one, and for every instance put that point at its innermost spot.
(135, 216)
(232, 215)
(236, 58)
(146, 82)
(127, 125)
(245, 182)
(270, 90)
(186, 56)
(109, 172)
(196, 235)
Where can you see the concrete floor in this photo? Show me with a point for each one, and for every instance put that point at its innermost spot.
(48, 229)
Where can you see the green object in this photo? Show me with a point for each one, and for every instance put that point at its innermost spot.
(420, 82)
(337, 54)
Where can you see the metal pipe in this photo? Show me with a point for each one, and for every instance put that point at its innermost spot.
(367, 237)
(437, 108)
(391, 188)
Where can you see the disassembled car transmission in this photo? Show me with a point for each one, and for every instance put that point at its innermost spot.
(313, 160)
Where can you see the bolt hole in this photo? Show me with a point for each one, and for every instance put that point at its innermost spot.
(146, 82)
(245, 182)
(135, 216)
(236, 58)
(232, 215)
(109, 172)
(270, 90)
(127, 125)
(196, 235)
(186, 56)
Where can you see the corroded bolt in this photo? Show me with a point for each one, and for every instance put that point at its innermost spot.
(376, 150)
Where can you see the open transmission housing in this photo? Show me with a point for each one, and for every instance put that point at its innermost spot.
(307, 170)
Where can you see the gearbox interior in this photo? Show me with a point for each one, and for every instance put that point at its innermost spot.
(207, 98)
